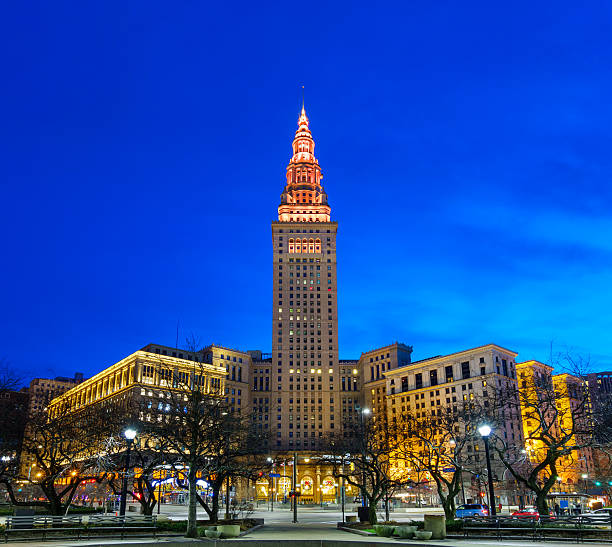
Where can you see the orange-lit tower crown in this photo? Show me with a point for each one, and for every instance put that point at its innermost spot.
(303, 199)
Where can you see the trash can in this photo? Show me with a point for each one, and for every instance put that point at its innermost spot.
(363, 513)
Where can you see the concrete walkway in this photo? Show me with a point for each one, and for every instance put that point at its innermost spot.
(300, 535)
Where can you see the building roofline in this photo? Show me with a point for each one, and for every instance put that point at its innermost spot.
(450, 355)
(530, 362)
(218, 346)
(204, 348)
(126, 360)
(381, 348)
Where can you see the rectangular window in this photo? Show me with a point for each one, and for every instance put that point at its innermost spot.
(448, 371)
(465, 370)
(433, 377)
(418, 381)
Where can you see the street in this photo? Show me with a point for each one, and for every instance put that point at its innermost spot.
(306, 514)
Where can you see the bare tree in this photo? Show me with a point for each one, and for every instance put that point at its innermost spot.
(557, 413)
(192, 421)
(148, 456)
(441, 444)
(13, 409)
(239, 453)
(9, 379)
(60, 452)
(363, 454)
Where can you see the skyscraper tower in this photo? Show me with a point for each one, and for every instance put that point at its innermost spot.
(305, 369)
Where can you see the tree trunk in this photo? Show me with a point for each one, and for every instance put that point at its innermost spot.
(214, 513)
(192, 523)
(541, 503)
(372, 513)
(147, 498)
(387, 518)
(55, 507)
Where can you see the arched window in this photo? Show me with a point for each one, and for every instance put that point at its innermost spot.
(311, 246)
(291, 246)
(318, 245)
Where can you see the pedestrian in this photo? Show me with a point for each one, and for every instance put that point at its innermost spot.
(557, 509)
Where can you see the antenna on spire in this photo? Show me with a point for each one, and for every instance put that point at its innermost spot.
(302, 97)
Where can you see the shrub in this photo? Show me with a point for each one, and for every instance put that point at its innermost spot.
(84, 510)
(384, 530)
(454, 525)
(172, 526)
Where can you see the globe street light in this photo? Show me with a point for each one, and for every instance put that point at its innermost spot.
(130, 435)
(273, 477)
(485, 431)
(295, 489)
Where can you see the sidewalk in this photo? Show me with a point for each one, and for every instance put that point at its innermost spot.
(300, 535)
(300, 532)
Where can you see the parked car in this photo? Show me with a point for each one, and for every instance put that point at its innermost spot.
(472, 510)
(530, 513)
(604, 515)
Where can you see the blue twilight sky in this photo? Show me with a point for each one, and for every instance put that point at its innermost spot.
(466, 150)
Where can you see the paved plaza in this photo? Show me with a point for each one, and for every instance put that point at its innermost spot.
(314, 525)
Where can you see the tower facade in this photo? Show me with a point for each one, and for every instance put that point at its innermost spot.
(304, 368)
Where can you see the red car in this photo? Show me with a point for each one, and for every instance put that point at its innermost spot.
(528, 513)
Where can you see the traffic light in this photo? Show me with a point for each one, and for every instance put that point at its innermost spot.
(597, 483)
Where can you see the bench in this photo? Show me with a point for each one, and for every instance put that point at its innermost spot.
(81, 526)
(582, 528)
(575, 528)
(44, 525)
(121, 524)
(487, 527)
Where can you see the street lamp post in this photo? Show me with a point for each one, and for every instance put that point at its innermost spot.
(270, 460)
(364, 412)
(130, 435)
(342, 491)
(295, 491)
(485, 431)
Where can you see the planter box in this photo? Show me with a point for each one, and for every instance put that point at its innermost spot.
(229, 530)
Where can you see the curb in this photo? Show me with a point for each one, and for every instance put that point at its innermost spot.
(257, 527)
(354, 531)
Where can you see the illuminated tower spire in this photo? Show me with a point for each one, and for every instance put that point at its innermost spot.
(303, 199)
